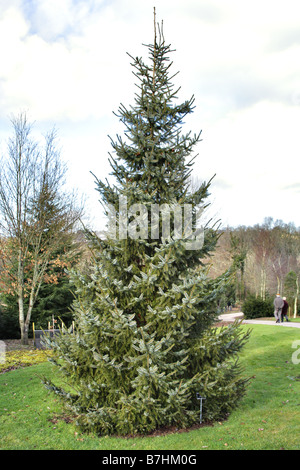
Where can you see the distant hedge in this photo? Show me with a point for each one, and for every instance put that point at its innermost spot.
(256, 307)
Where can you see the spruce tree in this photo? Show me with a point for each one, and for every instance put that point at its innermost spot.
(145, 344)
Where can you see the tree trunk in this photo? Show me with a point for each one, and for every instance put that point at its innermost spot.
(295, 307)
(263, 283)
(279, 284)
(296, 297)
(22, 322)
(24, 333)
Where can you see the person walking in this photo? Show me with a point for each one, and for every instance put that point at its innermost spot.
(284, 310)
(278, 304)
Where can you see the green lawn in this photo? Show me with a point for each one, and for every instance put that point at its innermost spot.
(267, 418)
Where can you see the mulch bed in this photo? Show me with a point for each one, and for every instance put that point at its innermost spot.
(164, 431)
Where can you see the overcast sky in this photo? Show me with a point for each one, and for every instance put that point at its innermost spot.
(64, 62)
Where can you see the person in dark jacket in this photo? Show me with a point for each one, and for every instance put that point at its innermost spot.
(284, 310)
(278, 304)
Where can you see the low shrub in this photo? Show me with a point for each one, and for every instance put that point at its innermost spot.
(256, 307)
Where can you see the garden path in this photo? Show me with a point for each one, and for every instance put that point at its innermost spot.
(231, 317)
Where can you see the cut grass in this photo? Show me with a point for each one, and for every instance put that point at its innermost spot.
(268, 416)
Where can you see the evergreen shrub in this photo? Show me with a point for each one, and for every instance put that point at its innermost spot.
(256, 307)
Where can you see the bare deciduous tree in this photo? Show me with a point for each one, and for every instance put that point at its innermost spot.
(35, 214)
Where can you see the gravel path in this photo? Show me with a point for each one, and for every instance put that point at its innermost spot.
(230, 317)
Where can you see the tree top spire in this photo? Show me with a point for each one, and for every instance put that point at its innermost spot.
(154, 15)
(160, 29)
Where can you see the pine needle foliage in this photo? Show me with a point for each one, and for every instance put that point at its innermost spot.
(144, 342)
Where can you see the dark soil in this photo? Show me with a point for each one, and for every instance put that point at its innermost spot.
(164, 431)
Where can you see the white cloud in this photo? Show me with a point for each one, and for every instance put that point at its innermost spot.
(257, 154)
(65, 61)
(72, 77)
